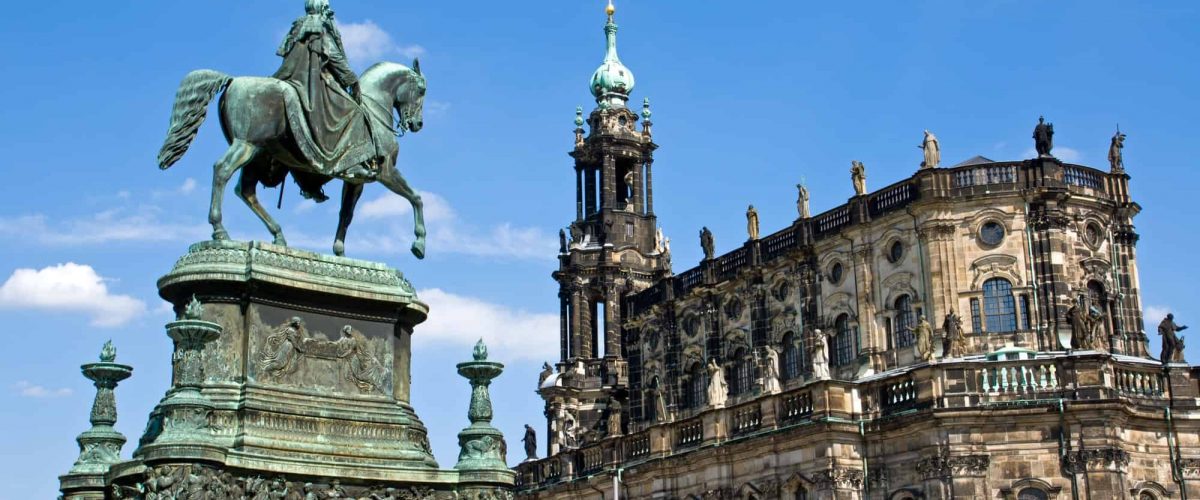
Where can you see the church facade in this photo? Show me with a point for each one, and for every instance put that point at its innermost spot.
(971, 331)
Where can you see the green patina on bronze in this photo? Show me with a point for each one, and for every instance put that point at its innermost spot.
(299, 124)
(482, 446)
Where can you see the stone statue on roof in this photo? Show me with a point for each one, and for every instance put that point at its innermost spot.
(1115, 158)
(706, 243)
(802, 201)
(1172, 345)
(858, 174)
(933, 150)
(752, 222)
(1043, 137)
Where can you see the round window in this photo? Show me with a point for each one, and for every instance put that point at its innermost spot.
(835, 273)
(1092, 234)
(895, 252)
(991, 233)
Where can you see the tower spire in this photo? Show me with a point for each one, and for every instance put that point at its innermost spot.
(612, 82)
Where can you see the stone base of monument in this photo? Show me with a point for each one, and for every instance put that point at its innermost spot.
(304, 388)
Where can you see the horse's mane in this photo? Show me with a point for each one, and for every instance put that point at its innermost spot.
(383, 68)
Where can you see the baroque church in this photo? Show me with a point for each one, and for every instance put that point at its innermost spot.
(971, 331)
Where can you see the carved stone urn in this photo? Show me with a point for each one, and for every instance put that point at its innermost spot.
(481, 445)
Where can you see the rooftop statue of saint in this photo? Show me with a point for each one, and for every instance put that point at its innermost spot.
(933, 150)
(1043, 137)
(1116, 159)
(304, 123)
(858, 175)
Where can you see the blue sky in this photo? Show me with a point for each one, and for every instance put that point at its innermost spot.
(748, 98)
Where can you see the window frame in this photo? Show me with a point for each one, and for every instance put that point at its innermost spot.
(999, 306)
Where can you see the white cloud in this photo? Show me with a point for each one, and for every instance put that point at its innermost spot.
(509, 333)
(119, 224)
(188, 186)
(366, 43)
(448, 233)
(1066, 154)
(31, 390)
(391, 205)
(69, 287)
(1153, 315)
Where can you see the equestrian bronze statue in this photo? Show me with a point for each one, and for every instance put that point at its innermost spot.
(304, 123)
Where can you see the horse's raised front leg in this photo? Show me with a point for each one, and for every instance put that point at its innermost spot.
(238, 155)
(350, 194)
(391, 178)
(248, 192)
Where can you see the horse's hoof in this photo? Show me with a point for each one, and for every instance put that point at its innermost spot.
(339, 248)
(220, 235)
(281, 241)
(418, 249)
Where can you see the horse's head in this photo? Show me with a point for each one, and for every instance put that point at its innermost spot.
(403, 87)
(410, 99)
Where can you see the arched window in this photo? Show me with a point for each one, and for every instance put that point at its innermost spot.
(693, 392)
(999, 306)
(792, 358)
(742, 366)
(801, 493)
(904, 321)
(843, 342)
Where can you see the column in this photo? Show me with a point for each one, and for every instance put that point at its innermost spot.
(577, 329)
(564, 334)
(612, 334)
(590, 189)
(608, 182)
(636, 189)
(578, 193)
(649, 187)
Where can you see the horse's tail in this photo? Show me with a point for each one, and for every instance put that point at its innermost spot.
(191, 106)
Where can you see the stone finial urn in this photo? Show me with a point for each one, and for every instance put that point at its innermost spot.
(100, 446)
(481, 446)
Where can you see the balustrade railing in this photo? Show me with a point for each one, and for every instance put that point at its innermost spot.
(797, 406)
(1082, 177)
(689, 433)
(729, 264)
(892, 197)
(637, 445)
(985, 175)
(1021, 377)
(833, 219)
(898, 395)
(778, 244)
(1134, 382)
(747, 418)
(687, 280)
(593, 459)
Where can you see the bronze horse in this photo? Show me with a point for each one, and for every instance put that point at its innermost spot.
(253, 114)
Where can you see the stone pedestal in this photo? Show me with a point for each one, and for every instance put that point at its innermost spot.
(291, 379)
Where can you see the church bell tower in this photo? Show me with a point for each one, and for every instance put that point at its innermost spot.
(615, 248)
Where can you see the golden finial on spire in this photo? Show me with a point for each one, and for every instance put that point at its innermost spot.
(610, 10)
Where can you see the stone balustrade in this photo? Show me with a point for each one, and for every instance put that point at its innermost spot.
(903, 393)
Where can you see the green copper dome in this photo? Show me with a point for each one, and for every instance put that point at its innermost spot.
(612, 82)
